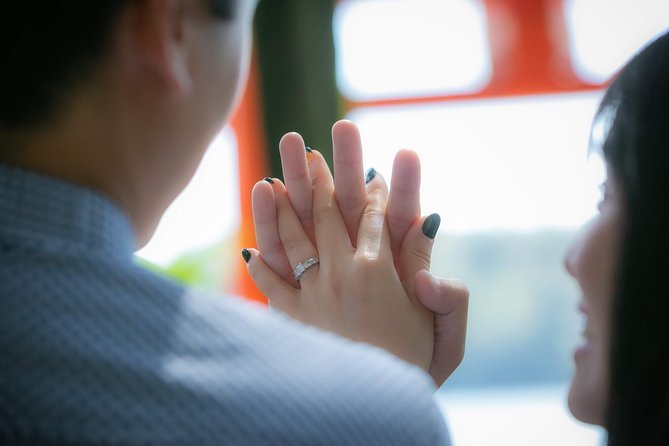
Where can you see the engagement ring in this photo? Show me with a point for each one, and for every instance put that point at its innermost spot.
(303, 267)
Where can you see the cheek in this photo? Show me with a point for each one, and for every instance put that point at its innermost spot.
(593, 263)
(219, 71)
(594, 270)
(233, 69)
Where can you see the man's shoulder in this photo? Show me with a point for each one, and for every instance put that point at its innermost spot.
(319, 377)
(129, 348)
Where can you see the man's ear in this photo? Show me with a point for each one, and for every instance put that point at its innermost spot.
(158, 30)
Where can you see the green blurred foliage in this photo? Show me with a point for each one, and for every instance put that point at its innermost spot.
(209, 269)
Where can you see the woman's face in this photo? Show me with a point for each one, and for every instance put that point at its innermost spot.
(592, 261)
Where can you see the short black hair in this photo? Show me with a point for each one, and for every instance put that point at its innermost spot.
(636, 150)
(48, 47)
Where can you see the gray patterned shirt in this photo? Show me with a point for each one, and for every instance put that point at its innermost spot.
(96, 350)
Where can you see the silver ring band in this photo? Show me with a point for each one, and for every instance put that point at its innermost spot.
(303, 267)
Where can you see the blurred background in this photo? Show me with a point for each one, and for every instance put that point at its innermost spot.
(497, 97)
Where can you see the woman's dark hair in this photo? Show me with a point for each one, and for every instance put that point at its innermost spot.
(48, 47)
(636, 150)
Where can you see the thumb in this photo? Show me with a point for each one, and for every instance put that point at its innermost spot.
(416, 250)
(449, 300)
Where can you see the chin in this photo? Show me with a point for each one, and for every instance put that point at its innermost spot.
(585, 402)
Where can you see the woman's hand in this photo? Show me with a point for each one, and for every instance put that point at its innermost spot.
(353, 291)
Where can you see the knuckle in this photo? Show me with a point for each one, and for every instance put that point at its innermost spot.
(316, 179)
(373, 212)
(421, 255)
(367, 265)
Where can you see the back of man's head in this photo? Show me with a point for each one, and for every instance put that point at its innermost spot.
(48, 47)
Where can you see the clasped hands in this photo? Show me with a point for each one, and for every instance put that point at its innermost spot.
(372, 283)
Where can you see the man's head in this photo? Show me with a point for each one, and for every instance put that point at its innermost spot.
(49, 47)
(120, 95)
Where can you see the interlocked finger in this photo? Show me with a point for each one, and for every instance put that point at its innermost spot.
(267, 230)
(373, 236)
(280, 294)
(295, 241)
(348, 175)
(296, 175)
(331, 235)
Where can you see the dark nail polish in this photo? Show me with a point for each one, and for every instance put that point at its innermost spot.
(431, 225)
(246, 255)
(269, 180)
(369, 176)
(308, 149)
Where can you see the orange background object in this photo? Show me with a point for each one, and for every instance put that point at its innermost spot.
(529, 50)
(253, 165)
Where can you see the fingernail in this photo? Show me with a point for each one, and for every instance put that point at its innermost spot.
(431, 226)
(310, 154)
(246, 255)
(369, 176)
(269, 180)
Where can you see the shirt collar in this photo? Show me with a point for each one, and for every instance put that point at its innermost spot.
(40, 210)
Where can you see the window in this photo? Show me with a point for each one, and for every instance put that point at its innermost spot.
(516, 164)
(398, 48)
(603, 34)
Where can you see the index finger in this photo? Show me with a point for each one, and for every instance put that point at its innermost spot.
(331, 236)
(297, 179)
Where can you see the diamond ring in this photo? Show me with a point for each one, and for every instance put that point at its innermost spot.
(301, 268)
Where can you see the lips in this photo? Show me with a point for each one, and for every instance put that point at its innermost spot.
(586, 333)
